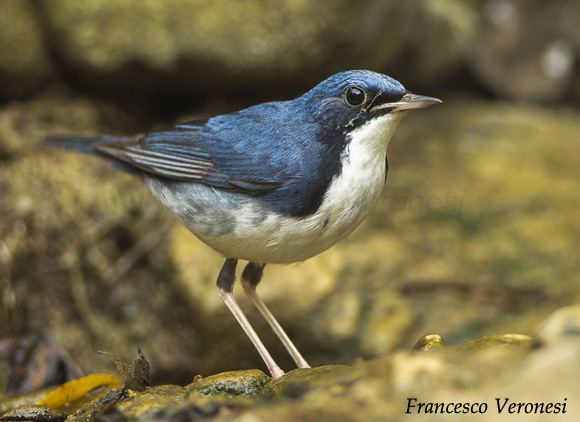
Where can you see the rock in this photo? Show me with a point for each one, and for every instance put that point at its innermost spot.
(537, 378)
(224, 48)
(24, 62)
(234, 383)
(24, 124)
(174, 53)
(35, 413)
(438, 44)
(508, 340)
(387, 388)
(429, 343)
(529, 51)
(563, 323)
(31, 363)
(500, 234)
(68, 223)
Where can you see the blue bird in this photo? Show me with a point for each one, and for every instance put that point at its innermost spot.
(278, 182)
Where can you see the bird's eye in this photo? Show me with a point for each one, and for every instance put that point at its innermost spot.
(354, 96)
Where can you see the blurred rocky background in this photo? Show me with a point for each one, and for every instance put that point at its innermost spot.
(477, 232)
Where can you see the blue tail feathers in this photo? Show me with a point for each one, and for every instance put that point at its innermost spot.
(89, 145)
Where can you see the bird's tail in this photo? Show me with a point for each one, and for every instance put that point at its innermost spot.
(89, 145)
(83, 144)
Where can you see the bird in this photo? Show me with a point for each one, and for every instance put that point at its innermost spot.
(275, 183)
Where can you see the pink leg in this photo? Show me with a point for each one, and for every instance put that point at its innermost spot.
(225, 285)
(250, 278)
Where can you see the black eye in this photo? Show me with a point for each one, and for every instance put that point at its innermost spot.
(354, 96)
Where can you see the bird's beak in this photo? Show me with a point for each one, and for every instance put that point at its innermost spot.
(409, 102)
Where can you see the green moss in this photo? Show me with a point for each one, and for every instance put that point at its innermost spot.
(235, 383)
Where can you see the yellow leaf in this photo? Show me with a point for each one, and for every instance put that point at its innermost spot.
(77, 389)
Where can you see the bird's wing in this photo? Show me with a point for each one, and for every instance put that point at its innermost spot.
(223, 155)
(167, 156)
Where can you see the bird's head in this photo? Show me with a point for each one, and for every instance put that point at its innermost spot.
(348, 100)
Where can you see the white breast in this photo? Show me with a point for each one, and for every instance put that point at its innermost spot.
(353, 193)
(282, 239)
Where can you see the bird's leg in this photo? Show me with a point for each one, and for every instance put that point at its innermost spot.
(251, 276)
(225, 286)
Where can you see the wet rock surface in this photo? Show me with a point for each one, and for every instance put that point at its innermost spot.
(390, 387)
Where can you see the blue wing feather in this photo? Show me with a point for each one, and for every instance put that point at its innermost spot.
(232, 152)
